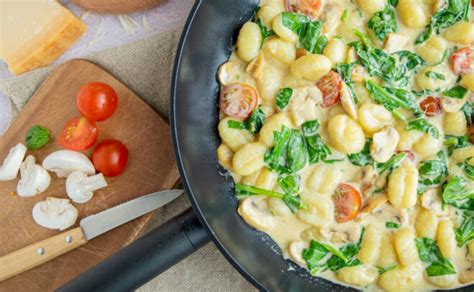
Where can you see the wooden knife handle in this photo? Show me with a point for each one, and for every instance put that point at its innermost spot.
(40, 252)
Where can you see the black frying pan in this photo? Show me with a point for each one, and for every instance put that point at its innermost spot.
(206, 43)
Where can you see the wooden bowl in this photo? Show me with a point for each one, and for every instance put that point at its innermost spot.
(117, 6)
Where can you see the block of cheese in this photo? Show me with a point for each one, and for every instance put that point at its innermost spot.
(34, 33)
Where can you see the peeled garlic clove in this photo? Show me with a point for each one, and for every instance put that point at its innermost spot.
(55, 213)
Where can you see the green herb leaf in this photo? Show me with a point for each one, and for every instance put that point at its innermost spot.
(435, 75)
(317, 150)
(391, 163)
(345, 15)
(432, 173)
(283, 97)
(307, 31)
(457, 91)
(386, 269)
(265, 31)
(392, 225)
(237, 125)
(320, 44)
(314, 257)
(383, 23)
(430, 254)
(422, 125)
(289, 153)
(254, 123)
(468, 168)
(468, 110)
(350, 251)
(290, 184)
(345, 71)
(455, 142)
(362, 158)
(458, 194)
(37, 137)
(394, 3)
(465, 232)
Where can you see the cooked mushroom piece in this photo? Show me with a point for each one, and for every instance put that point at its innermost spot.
(384, 144)
(347, 102)
(55, 213)
(81, 188)
(11, 164)
(256, 213)
(64, 162)
(295, 251)
(229, 72)
(34, 178)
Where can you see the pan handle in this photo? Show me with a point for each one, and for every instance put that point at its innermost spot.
(145, 258)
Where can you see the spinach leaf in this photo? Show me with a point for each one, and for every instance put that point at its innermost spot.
(391, 163)
(465, 232)
(293, 202)
(350, 252)
(468, 168)
(454, 11)
(392, 98)
(320, 44)
(283, 97)
(294, 21)
(457, 193)
(468, 110)
(456, 92)
(307, 31)
(345, 16)
(254, 123)
(383, 23)
(430, 254)
(289, 153)
(37, 137)
(455, 142)
(386, 269)
(432, 172)
(394, 3)
(392, 225)
(422, 125)
(265, 31)
(315, 256)
(345, 71)
(435, 75)
(290, 184)
(362, 158)
(317, 150)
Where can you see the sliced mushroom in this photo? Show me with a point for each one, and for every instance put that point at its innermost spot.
(347, 102)
(64, 162)
(295, 251)
(331, 17)
(384, 144)
(255, 211)
(11, 164)
(302, 106)
(230, 72)
(55, 213)
(81, 188)
(34, 178)
(395, 42)
(368, 177)
(374, 202)
(255, 67)
(452, 105)
(431, 200)
(466, 276)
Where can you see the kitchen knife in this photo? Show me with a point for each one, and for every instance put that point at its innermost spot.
(92, 226)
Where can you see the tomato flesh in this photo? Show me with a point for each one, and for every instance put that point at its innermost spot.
(79, 134)
(110, 157)
(96, 101)
(310, 8)
(347, 203)
(330, 86)
(431, 106)
(238, 100)
(462, 61)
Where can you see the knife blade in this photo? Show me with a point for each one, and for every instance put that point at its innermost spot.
(92, 226)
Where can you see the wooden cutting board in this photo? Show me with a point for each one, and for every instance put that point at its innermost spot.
(151, 168)
(117, 6)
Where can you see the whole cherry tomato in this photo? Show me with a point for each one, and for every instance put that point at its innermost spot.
(110, 157)
(96, 101)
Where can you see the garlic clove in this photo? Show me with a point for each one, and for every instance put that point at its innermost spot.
(55, 213)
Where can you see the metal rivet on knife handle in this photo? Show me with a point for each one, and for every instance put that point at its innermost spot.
(40, 251)
(69, 239)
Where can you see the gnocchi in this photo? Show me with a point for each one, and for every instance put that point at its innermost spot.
(311, 67)
(402, 186)
(249, 158)
(405, 246)
(346, 135)
(248, 41)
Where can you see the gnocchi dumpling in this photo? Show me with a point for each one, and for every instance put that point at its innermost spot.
(374, 117)
(461, 32)
(282, 31)
(413, 13)
(387, 254)
(311, 67)
(360, 275)
(346, 135)
(467, 81)
(455, 124)
(274, 124)
(406, 278)
(370, 247)
(249, 158)
(405, 246)
(335, 50)
(324, 179)
(426, 224)
(234, 138)
(402, 186)
(319, 211)
(433, 49)
(249, 41)
(445, 239)
(281, 50)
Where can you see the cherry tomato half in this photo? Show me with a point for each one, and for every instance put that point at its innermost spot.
(110, 157)
(347, 203)
(238, 100)
(310, 8)
(462, 61)
(78, 134)
(431, 106)
(96, 101)
(330, 86)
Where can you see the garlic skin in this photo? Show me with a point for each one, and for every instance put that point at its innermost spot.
(11, 164)
(34, 178)
(81, 188)
(64, 162)
(55, 213)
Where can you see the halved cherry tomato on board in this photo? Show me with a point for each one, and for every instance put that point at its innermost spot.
(238, 100)
(347, 203)
(79, 134)
(462, 61)
(96, 101)
(110, 157)
(430, 106)
(310, 8)
(330, 86)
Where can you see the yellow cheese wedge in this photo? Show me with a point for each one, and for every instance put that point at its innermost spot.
(34, 33)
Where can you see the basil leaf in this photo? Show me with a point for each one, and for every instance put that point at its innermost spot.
(37, 137)
(289, 153)
(430, 254)
(455, 142)
(317, 150)
(392, 225)
(457, 193)
(283, 97)
(465, 232)
(293, 202)
(362, 158)
(435, 75)
(383, 22)
(457, 91)
(422, 125)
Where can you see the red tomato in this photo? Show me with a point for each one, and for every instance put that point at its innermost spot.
(330, 86)
(462, 61)
(238, 100)
(110, 157)
(310, 8)
(79, 134)
(96, 101)
(431, 106)
(347, 203)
